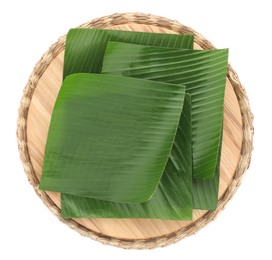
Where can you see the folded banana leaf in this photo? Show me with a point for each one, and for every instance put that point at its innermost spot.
(110, 137)
(204, 74)
(171, 200)
(85, 47)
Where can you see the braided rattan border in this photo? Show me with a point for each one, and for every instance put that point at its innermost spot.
(247, 142)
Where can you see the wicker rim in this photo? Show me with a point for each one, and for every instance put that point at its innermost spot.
(245, 155)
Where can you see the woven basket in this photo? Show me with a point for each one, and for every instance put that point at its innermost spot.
(34, 118)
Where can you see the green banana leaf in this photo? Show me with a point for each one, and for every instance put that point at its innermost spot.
(85, 47)
(171, 200)
(80, 56)
(204, 74)
(85, 50)
(110, 137)
(205, 192)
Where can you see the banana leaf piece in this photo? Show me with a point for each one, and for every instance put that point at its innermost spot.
(204, 74)
(171, 200)
(110, 137)
(205, 192)
(85, 47)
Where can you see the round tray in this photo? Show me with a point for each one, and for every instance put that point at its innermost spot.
(34, 118)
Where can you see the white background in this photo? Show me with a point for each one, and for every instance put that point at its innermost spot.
(243, 230)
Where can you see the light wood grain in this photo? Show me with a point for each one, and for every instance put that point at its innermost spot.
(38, 121)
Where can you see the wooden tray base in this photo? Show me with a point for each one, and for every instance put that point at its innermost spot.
(34, 119)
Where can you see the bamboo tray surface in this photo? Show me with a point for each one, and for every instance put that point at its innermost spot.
(34, 118)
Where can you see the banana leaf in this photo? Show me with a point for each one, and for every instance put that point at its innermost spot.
(171, 200)
(84, 53)
(85, 47)
(204, 74)
(205, 192)
(110, 137)
(81, 47)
